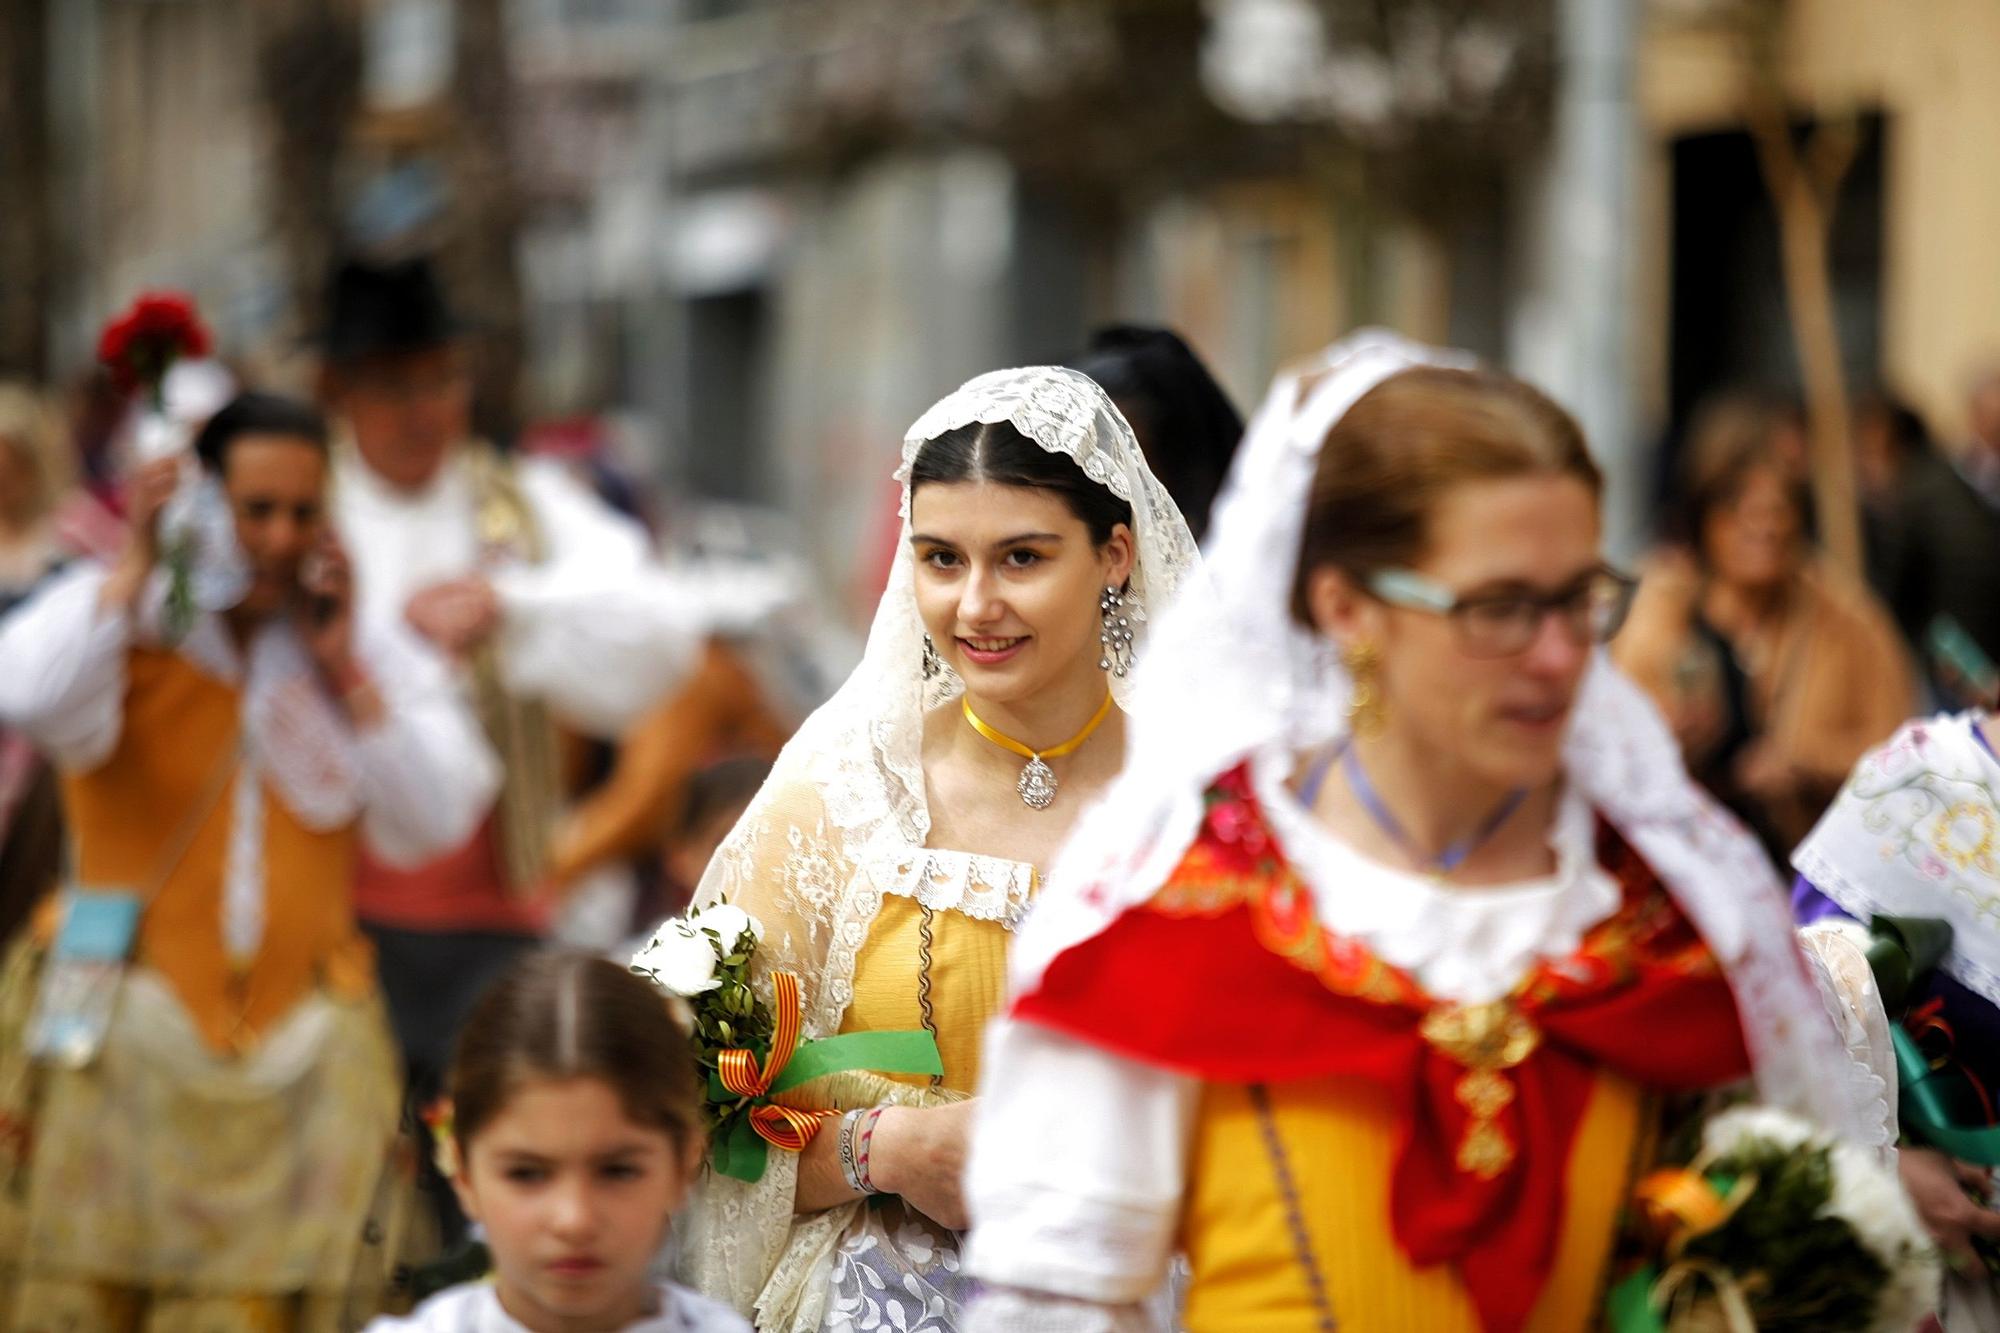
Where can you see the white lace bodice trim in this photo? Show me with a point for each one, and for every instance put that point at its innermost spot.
(985, 888)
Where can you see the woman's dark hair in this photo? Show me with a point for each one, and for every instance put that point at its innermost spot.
(1732, 436)
(1393, 456)
(1908, 434)
(559, 1014)
(1187, 427)
(996, 452)
(257, 414)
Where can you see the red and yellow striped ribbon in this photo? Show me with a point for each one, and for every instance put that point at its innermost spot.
(782, 1127)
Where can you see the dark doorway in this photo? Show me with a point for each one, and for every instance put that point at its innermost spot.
(1730, 325)
(728, 394)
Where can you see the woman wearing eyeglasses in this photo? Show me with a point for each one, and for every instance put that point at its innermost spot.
(1361, 987)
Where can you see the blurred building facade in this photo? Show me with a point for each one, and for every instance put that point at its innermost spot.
(767, 234)
(1924, 212)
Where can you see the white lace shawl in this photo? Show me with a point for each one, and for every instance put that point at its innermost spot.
(847, 796)
(1200, 710)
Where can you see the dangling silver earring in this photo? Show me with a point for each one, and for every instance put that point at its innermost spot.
(1116, 634)
(932, 662)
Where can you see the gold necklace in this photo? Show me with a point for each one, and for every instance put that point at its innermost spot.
(1037, 784)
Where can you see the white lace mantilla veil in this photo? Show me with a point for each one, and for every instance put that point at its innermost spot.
(848, 791)
(1232, 675)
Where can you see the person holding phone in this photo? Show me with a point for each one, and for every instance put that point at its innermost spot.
(210, 1141)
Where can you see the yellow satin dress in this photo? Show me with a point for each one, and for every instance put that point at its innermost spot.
(968, 956)
(1339, 1138)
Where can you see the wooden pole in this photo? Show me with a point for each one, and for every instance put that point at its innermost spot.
(1804, 185)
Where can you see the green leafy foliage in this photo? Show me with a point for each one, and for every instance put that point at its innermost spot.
(1804, 1271)
(729, 1017)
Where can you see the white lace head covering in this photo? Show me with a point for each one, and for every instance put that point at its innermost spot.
(880, 708)
(861, 750)
(1200, 710)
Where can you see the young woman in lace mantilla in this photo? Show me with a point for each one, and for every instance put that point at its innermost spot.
(902, 833)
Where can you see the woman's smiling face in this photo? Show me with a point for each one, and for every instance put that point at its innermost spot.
(1008, 582)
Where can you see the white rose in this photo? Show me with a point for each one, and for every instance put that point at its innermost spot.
(1739, 1127)
(679, 961)
(728, 922)
(1870, 1199)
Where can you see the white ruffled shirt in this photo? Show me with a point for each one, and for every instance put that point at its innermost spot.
(418, 783)
(595, 630)
(1075, 1200)
(475, 1308)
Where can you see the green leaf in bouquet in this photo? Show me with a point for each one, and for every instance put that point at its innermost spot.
(1803, 1272)
(737, 1152)
(1902, 951)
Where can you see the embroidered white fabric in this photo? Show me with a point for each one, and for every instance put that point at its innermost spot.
(1916, 832)
(843, 820)
(1201, 708)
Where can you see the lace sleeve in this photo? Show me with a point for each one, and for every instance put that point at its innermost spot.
(1837, 950)
(784, 865)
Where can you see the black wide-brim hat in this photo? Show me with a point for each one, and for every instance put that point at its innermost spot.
(385, 309)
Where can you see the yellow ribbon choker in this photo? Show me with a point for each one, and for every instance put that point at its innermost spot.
(1037, 784)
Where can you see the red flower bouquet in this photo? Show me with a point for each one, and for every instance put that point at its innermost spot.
(142, 343)
(139, 347)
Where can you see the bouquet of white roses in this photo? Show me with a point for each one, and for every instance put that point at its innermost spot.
(1775, 1227)
(751, 1052)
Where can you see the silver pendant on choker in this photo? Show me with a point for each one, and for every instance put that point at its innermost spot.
(1037, 785)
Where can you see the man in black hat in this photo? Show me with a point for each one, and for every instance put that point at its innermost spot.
(543, 595)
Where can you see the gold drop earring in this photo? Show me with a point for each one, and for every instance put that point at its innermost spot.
(1367, 710)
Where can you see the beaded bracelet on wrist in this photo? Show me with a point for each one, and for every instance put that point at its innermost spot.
(862, 1150)
(849, 1168)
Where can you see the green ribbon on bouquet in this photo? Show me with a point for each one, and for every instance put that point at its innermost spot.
(1629, 1306)
(1934, 1107)
(741, 1146)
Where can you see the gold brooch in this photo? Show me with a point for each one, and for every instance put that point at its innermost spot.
(1486, 1039)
